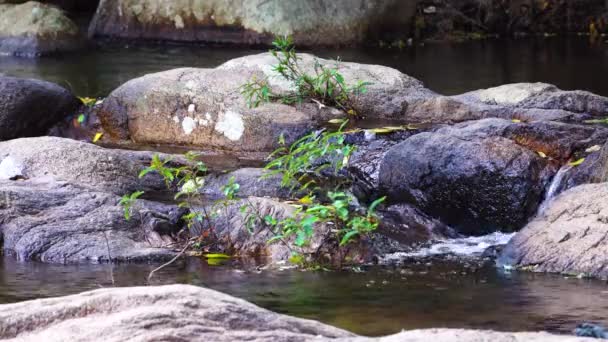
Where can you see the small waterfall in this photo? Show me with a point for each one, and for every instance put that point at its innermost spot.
(555, 187)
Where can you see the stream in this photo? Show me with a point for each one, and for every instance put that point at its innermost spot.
(462, 290)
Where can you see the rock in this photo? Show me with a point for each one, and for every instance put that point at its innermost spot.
(10, 169)
(252, 182)
(61, 223)
(468, 176)
(204, 108)
(569, 236)
(200, 108)
(389, 94)
(34, 29)
(232, 234)
(82, 164)
(249, 21)
(184, 312)
(534, 101)
(30, 107)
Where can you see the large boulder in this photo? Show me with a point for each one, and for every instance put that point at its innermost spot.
(467, 175)
(61, 223)
(312, 23)
(205, 108)
(30, 107)
(569, 236)
(34, 29)
(189, 313)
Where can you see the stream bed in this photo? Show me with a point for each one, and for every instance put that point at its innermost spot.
(427, 291)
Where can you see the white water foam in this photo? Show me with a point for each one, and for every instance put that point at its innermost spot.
(467, 246)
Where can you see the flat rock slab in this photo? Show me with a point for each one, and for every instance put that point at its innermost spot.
(189, 313)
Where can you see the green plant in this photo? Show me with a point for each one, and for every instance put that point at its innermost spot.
(326, 85)
(127, 202)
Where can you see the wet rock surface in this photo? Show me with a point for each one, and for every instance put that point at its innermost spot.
(182, 312)
(569, 236)
(30, 107)
(468, 176)
(33, 29)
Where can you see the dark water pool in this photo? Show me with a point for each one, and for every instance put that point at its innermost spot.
(375, 302)
(571, 63)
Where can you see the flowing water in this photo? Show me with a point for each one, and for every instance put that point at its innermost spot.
(458, 291)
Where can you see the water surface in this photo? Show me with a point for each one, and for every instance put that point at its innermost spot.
(570, 63)
(377, 301)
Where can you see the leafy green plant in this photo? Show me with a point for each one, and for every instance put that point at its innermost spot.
(326, 85)
(127, 202)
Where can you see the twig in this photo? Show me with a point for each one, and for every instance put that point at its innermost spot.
(109, 258)
(170, 261)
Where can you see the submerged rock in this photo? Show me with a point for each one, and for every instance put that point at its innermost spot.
(468, 176)
(30, 107)
(189, 313)
(34, 29)
(569, 236)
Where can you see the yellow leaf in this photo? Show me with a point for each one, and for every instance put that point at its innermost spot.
(306, 200)
(516, 121)
(336, 121)
(351, 112)
(97, 137)
(217, 256)
(388, 129)
(542, 154)
(576, 162)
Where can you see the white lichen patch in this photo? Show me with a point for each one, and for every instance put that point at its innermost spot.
(179, 22)
(188, 125)
(231, 125)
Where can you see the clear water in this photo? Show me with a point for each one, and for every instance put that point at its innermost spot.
(571, 63)
(375, 302)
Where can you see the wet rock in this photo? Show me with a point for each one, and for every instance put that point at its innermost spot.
(30, 107)
(185, 312)
(249, 21)
(570, 236)
(80, 163)
(594, 169)
(62, 223)
(408, 226)
(468, 176)
(34, 29)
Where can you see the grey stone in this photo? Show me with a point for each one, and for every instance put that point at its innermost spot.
(569, 236)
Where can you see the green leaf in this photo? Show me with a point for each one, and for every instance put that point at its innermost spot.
(375, 204)
(348, 237)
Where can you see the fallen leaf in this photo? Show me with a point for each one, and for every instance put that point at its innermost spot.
(97, 137)
(542, 154)
(593, 148)
(576, 162)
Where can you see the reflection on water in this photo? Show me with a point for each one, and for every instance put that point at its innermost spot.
(571, 63)
(378, 301)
